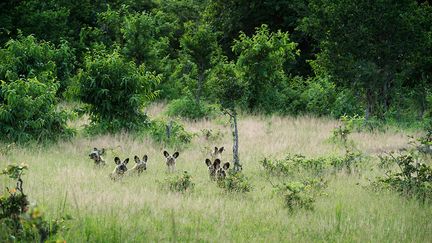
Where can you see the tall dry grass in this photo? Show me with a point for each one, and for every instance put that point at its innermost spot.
(62, 179)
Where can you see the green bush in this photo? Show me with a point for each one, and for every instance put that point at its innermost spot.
(180, 183)
(188, 108)
(169, 132)
(298, 195)
(17, 221)
(235, 182)
(351, 162)
(115, 90)
(28, 111)
(25, 57)
(295, 163)
(319, 96)
(414, 178)
(212, 135)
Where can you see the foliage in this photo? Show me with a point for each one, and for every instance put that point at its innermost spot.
(423, 144)
(414, 178)
(26, 57)
(351, 162)
(147, 37)
(169, 132)
(211, 135)
(300, 194)
(188, 108)
(228, 88)
(262, 59)
(180, 183)
(198, 47)
(294, 163)
(17, 222)
(28, 111)
(235, 181)
(116, 90)
(355, 37)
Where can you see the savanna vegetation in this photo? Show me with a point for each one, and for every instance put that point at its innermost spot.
(323, 110)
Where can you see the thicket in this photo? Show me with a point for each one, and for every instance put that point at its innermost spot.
(323, 58)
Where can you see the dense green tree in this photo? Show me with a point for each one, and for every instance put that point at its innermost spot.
(231, 91)
(234, 16)
(262, 58)
(28, 111)
(115, 90)
(198, 45)
(147, 37)
(367, 44)
(26, 57)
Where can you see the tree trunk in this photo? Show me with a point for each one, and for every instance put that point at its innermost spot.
(369, 104)
(236, 159)
(200, 85)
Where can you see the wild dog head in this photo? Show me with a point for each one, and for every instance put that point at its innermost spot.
(215, 169)
(120, 168)
(222, 172)
(217, 153)
(96, 156)
(171, 160)
(141, 164)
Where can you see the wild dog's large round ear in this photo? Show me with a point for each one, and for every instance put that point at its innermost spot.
(145, 157)
(176, 154)
(136, 158)
(102, 151)
(117, 160)
(226, 166)
(221, 149)
(216, 163)
(165, 153)
(208, 162)
(216, 149)
(126, 161)
(95, 149)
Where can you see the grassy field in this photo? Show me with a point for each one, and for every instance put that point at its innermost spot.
(62, 180)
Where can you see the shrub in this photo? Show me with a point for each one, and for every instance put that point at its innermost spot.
(295, 163)
(188, 108)
(261, 60)
(28, 58)
(423, 144)
(413, 180)
(17, 222)
(319, 96)
(235, 182)
(180, 183)
(170, 133)
(298, 195)
(115, 90)
(211, 135)
(28, 111)
(350, 162)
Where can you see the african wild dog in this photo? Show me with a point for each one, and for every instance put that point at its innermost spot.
(140, 165)
(217, 153)
(215, 169)
(171, 160)
(96, 156)
(120, 168)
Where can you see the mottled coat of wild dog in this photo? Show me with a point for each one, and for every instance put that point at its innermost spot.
(140, 165)
(120, 168)
(171, 160)
(96, 156)
(217, 153)
(215, 169)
